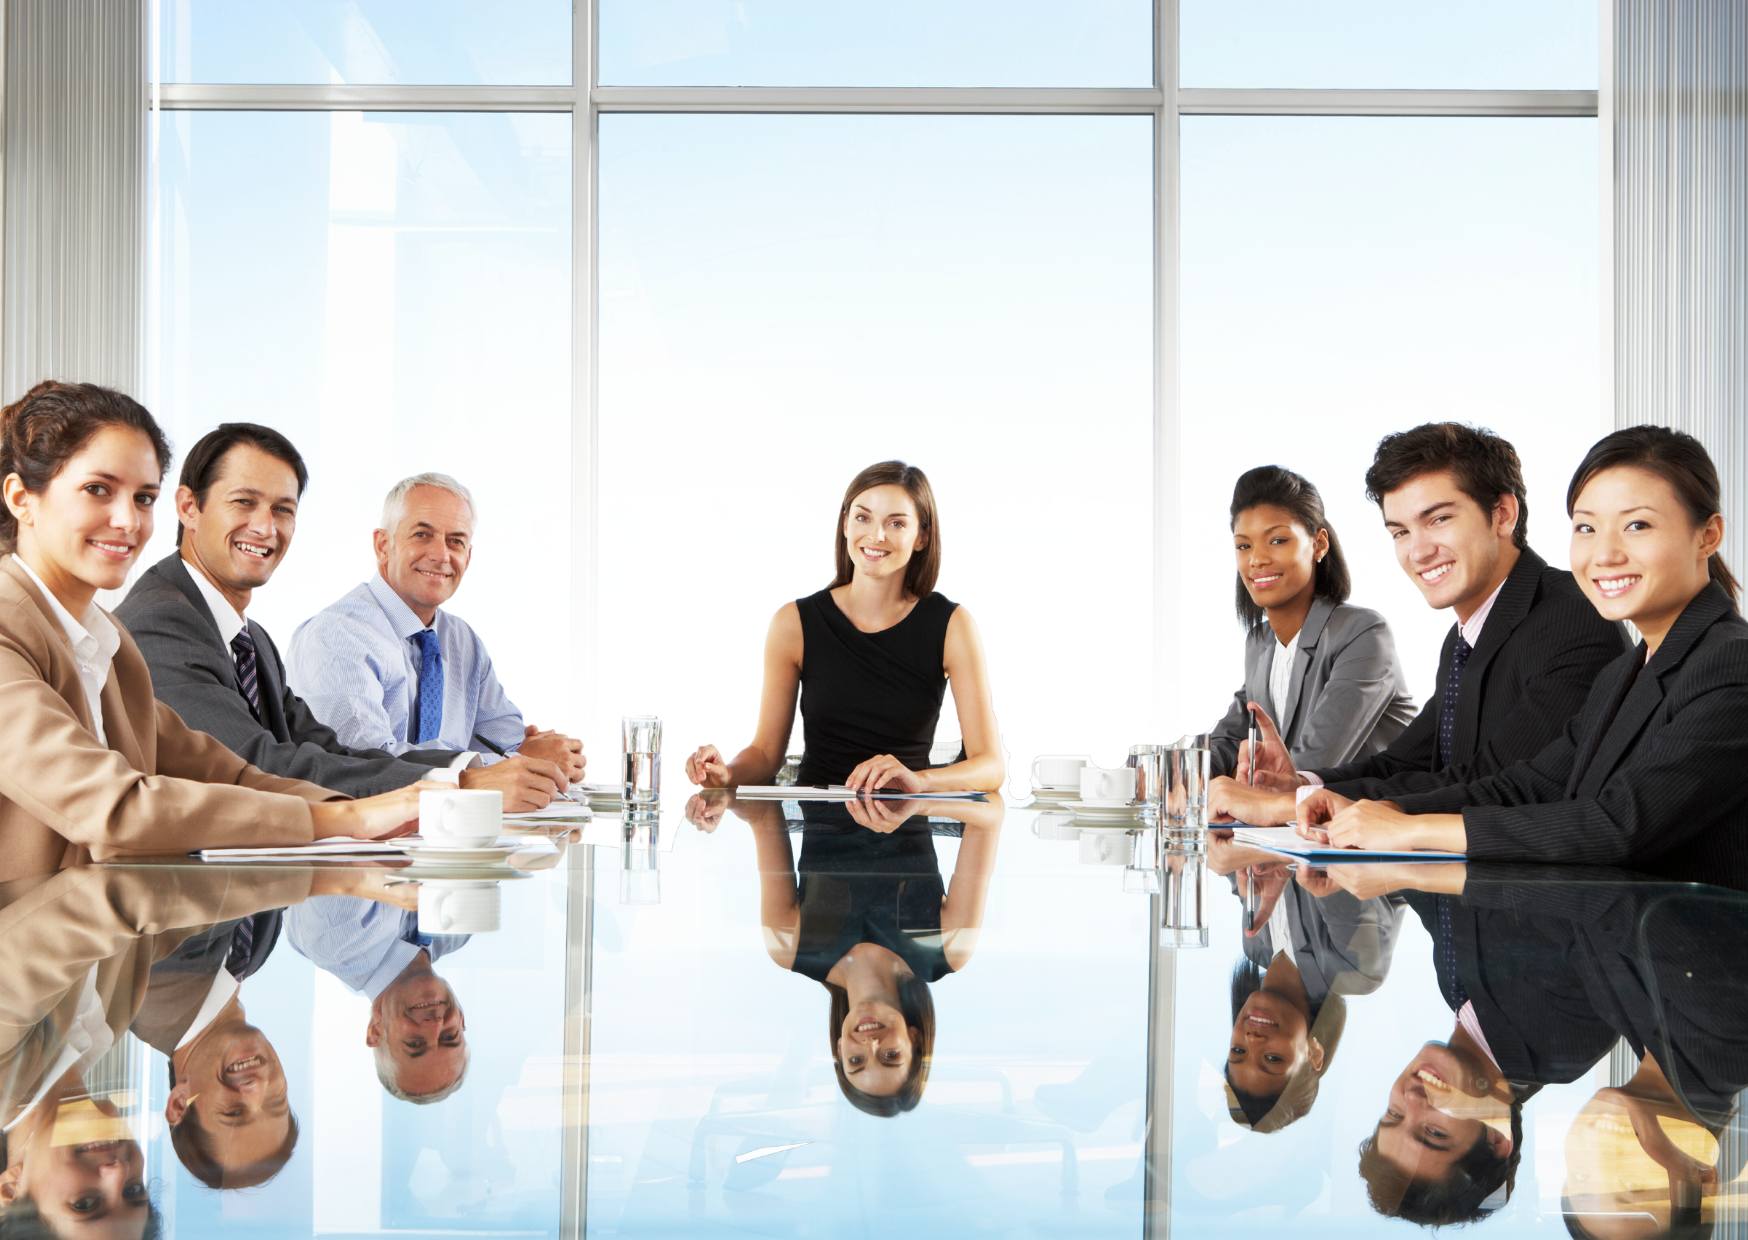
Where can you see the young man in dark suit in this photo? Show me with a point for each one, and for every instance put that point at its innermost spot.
(1517, 664)
(237, 503)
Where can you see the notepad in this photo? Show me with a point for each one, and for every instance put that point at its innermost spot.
(837, 792)
(332, 846)
(1288, 841)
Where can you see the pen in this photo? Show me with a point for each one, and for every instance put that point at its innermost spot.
(480, 740)
(1250, 736)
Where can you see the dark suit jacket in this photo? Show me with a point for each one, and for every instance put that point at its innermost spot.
(1540, 652)
(194, 674)
(1654, 767)
(180, 981)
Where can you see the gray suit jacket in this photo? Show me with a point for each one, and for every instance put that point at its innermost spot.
(1347, 698)
(193, 673)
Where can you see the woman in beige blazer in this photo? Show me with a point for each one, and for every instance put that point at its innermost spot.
(94, 766)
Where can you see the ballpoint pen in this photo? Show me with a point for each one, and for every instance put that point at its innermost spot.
(1250, 737)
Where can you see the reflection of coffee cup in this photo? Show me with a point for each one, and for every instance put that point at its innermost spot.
(1057, 771)
(460, 817)
(458, 906)
(1107, 785)
(1104, 847)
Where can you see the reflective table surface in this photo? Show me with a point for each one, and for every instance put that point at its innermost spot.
(781, 1020)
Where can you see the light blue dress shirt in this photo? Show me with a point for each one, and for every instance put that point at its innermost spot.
(357, 665)
(364, 944)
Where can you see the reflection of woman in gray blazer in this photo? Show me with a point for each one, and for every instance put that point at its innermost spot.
(1323, 670)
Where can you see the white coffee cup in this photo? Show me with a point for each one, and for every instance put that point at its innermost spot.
(1107, 785)
(1054, 770)
(459, 906)
(460, 817)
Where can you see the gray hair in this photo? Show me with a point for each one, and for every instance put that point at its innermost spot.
(385, 1073)
(395, 506)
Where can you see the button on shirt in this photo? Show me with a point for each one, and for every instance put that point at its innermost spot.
(94, 642)
(357, 666)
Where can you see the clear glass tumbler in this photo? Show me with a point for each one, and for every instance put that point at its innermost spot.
(642, 737)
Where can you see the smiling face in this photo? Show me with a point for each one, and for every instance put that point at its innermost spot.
(1277, 557)
(84, 530)
(875, 1048)
(881, 532)
(1270, 1041)
(81, 1169)
(1636, 552)
(419, 1033)
(1456, 551)
(1444, 1102)
(424, 556)
(233, 1090)
(244, 528)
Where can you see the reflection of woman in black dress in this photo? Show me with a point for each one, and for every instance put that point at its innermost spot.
(867, 915)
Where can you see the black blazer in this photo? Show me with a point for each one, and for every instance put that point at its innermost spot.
(1540, 652)
(1654, 767)
(193, 674)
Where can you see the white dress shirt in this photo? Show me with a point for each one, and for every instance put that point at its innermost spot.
(94, 640)
(1281, 675)
(227, 617)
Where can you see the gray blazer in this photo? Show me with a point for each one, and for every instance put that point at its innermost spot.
(194, 675)
(1347, 699)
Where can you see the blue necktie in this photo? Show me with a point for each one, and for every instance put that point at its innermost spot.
(430, 710)
(1447, 707)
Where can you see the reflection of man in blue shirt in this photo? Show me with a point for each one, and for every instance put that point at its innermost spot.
(387, 669)
(416, 1029)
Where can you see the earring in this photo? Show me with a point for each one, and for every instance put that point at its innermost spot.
(1483, 1084)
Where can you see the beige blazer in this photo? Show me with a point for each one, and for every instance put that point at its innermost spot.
(159, 788)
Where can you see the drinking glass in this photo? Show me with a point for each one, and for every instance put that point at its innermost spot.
(642, 736)
(1183, 920)
(1149, 763)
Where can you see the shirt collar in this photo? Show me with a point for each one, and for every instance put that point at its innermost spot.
(401, 617)
(1471, 628)
(95, 640)
(227, 617)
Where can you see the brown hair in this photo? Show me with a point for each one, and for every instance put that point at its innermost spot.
(1677, 458)
(925, 564)
(918, 1006)
(44, 428)
(193, 1150)
(1282, 488)
(1484, 466)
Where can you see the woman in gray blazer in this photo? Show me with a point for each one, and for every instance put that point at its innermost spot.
(1323, 670)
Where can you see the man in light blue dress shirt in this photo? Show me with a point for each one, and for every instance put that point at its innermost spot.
(386, 668)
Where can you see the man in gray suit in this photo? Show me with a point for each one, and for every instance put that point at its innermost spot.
(237, 504)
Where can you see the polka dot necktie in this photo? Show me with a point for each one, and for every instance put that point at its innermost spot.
(1450, 982)
(1447, 707)
(430, 711)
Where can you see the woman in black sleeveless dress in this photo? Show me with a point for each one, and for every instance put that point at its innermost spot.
(870, 658)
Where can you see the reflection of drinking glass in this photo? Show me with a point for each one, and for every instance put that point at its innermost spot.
(642, 735)
(1142, 873)
(640, 877)
(1149, 763)
(1182, 915)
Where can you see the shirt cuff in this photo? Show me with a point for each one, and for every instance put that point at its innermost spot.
(463, 760)
(1311, 784)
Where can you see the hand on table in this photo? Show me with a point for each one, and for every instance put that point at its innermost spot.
(1232, 801)
(706, 768)
(565, 752)
(527, 782)
(380, 817)
(883, 772)
(1227, 856)
(705, 810)
(1372, 879)
(1329, 818)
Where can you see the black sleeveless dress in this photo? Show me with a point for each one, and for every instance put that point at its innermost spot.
(869, 693)
(861, 886)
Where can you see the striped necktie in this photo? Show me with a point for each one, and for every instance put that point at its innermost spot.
(429, 715)
(248, 674)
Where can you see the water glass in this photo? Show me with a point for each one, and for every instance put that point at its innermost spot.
(1183, 913)
(642, 736)
(1149, 764)
(1185, 814)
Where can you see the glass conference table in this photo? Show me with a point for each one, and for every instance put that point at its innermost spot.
(1113, 1053)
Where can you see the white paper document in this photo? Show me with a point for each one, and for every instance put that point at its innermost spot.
(1288, 841)
(558, 811)
(837, 792)
(333, 846)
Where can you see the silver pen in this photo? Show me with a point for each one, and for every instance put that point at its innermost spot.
(1250, 737)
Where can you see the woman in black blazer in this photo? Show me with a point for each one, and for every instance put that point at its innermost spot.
(1655, 764)
(1324, 671)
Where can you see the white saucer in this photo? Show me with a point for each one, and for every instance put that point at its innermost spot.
(1086, 812)
(456, 854)
(1055, 795)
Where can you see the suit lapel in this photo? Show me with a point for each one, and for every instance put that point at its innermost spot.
(1315, 620)
(1515, 599)
(1646, 695)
